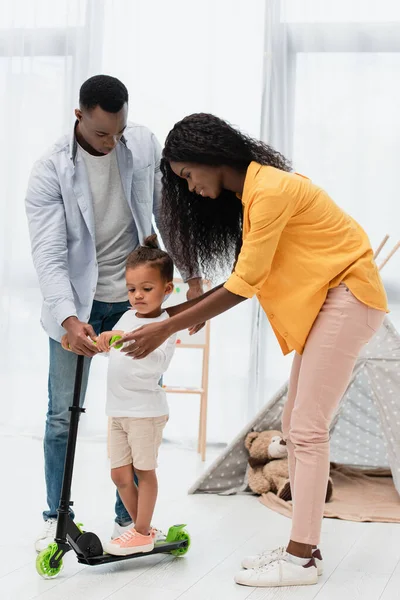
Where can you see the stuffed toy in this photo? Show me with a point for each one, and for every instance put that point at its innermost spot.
(268, 469)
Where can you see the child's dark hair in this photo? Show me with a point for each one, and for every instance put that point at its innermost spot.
(150, 253)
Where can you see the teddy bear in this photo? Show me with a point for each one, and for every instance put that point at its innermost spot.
(268, 469)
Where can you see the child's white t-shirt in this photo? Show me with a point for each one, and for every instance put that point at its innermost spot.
(133, 388)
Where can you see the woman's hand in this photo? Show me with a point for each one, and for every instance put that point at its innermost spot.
(145, 339)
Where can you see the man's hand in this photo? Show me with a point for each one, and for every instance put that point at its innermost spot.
(195, 290)
(64, 342)
(81, 337)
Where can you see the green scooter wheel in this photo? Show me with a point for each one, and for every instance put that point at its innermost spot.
(43, 562)
(180, 536)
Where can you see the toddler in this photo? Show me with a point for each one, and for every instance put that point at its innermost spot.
(136, 402)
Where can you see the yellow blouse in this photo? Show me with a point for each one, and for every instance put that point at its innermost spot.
(297, 244)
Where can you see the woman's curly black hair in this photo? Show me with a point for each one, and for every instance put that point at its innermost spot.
(207, 233)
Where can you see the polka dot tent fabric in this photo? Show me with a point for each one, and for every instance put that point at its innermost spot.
(365, 431)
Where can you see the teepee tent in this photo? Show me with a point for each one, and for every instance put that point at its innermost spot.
(365, 431)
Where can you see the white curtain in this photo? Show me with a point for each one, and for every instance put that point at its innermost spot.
(175, 59)
(46, 49)
(330, 103)
(268, 369)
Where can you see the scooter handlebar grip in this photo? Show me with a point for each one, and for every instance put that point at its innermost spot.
(115, 338)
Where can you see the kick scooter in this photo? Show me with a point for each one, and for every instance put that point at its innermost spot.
(70, 535)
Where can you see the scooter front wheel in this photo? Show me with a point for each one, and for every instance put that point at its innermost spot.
(181, 536)
(43, 562)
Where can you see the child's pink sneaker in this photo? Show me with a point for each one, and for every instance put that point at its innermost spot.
(130, 542)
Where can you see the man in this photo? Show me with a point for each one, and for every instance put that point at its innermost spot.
(90, 202)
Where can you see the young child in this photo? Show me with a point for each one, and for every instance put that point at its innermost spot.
(135, 401)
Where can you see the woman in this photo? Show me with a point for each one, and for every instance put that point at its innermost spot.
(228, 197)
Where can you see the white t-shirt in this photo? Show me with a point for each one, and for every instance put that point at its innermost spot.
(133, 388)
(115, 229)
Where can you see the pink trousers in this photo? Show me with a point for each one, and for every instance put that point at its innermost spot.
(318, 381)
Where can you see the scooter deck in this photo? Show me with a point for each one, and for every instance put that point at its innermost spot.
(161, 548)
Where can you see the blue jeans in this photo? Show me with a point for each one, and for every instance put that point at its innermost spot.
(61, 387)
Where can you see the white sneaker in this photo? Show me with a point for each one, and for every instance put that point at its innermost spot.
(261, 560)
(279, 573)
(158, 535)
(120, 529)
(47, 536)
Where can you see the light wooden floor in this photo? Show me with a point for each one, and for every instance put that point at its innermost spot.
(362, 561)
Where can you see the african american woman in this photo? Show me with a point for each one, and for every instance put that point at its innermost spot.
(232, 200)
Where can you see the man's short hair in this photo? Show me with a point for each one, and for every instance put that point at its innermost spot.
(102, 90)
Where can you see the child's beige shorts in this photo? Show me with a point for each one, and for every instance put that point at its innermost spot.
(136, 441)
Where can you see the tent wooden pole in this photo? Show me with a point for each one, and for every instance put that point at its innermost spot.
(383, 242)
(389, 256)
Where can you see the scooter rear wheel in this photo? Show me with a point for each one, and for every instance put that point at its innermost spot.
(89, 544)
